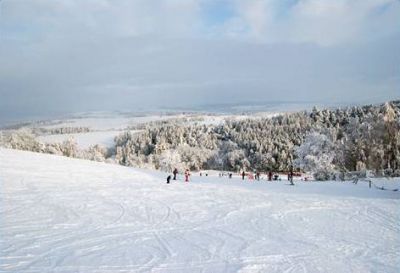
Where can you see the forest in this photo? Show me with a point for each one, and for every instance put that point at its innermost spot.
(324, 142)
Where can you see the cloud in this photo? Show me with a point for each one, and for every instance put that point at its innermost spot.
(77, 55)
(122, 18)
(314, 21)
(269, 21)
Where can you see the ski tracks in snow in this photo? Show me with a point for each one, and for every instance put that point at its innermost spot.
(62, 215)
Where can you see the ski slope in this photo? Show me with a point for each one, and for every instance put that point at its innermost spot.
(67, 215)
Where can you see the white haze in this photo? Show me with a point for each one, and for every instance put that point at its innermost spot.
(86, 55)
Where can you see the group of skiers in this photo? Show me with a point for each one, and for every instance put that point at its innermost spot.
(257, 176)
(175, 173)
(271, 176)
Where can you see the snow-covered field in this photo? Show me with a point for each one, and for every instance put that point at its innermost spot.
(118, 122)
(84, 140)
(105, 127)
(107, 122)
(67, 215)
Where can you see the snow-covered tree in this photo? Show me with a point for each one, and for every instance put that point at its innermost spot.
(316, 155)
(171, 159)
(365, 137)
(21, 139)
(95, 153)
(361, 135)
(69, 148)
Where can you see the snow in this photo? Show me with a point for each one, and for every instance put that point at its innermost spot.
(84, 140)
(69, 215)
(220, 119)
(103, 123)
(104, 127)
(119, 122)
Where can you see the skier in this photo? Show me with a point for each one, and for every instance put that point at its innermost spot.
(243, 175)
(269, 176)
(168, 179)
(175, 172)
(258, 175)
(291, 175)
(230, 175)
(187, 174)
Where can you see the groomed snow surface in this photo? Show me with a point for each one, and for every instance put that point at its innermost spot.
(67, 215)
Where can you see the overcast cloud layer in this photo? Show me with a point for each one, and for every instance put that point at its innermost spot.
(82, 55)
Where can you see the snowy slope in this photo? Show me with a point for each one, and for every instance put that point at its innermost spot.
(67, 215)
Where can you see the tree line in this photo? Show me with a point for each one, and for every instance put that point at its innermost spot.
(323, 142)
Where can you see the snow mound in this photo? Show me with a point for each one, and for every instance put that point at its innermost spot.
(68, 215)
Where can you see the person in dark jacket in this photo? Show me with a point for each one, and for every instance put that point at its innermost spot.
(175, 172)
(269, 176)
(291, 175)
(168, 179)
(243, 175)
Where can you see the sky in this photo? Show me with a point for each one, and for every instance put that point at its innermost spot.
(59, 56)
